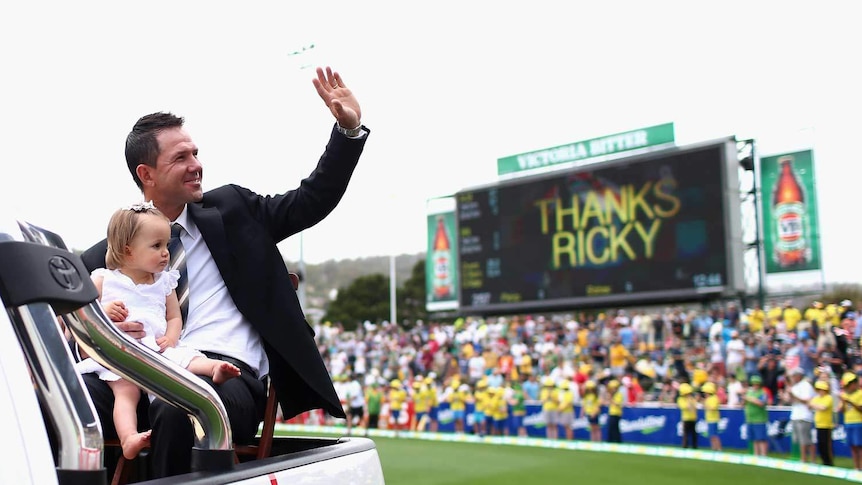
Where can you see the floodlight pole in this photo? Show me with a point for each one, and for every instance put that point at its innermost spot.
(758, 240)
(393, 286)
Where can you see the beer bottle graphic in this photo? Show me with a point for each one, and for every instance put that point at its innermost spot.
(788, 212)
(441, 257)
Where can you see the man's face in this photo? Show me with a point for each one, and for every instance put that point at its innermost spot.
(178, 172)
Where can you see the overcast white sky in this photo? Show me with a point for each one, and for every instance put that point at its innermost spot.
(446, 87)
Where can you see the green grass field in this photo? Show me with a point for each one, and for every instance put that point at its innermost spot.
(417, 462)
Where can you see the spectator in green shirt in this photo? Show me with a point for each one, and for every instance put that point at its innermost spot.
(756, 415)
(519, 408)
(373, 401)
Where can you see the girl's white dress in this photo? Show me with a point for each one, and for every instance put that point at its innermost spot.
(146, 304)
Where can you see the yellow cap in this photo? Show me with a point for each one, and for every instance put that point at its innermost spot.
(847, 378)
(481, 384)
(548, 382)
(417, 384)
(590, 385)
(685, 389)
(429, 381)
(395, 383)
(708, 388)
(564, 384)
(822, 385)
(613, 384)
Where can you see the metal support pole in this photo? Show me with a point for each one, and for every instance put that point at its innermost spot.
(758, 239)
(393, 315)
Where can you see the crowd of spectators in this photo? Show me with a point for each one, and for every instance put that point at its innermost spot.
(688, 358)
(651, 352)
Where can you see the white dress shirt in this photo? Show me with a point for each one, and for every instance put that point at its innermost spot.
(214, 323)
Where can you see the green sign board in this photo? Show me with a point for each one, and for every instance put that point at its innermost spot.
(581, 150)
(791, 230)
(441, 264)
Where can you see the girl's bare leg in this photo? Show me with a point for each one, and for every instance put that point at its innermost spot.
(126, 397)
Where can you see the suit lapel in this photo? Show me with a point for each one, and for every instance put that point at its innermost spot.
(210, 224)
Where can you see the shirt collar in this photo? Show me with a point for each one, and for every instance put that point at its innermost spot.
(188, 224)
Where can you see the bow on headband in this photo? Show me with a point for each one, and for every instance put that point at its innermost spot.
(141, 206)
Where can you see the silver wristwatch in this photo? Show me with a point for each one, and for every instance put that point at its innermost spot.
(350, 133)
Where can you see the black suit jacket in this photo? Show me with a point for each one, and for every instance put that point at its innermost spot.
(241, 230)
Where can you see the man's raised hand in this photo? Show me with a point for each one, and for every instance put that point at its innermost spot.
(338, 98)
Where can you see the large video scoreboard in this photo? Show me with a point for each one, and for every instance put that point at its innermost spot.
(660, 226)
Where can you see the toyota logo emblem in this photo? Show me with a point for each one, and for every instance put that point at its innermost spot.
(65, 273)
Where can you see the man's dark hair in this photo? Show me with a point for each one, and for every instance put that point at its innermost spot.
(141, 144)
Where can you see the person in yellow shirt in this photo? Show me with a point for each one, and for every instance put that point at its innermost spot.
(756, 319)
(773, 314)
(712, 415)
(823, 406)
(566, 408)
(396, 399)
(467, 350)
(792, 316)
(548, 397)
(499, 410)
(851, 405)
(616, 401)
(699, 377)
(421, 405)
(618, 356)
(457, 395)
(688, 415)
(491, 358)
(815, 314)
(480, 400)
(833, 316)
(591, 408)
(433, 403)
(525, 365)
(583, 337)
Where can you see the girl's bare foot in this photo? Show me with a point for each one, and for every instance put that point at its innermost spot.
(224, 371)
(133, 444)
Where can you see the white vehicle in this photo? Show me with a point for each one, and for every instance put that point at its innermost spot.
(42, 396)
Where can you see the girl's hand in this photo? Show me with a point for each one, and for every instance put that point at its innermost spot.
(165, 342)
(116, 311)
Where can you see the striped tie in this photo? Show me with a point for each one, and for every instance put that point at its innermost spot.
(178, 262)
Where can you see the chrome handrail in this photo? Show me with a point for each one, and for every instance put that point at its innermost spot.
(59, 386)
(96, 335)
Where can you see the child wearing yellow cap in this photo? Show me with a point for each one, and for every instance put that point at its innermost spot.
(548, 396)
(457, 395)
(566, 408)
(688, 415)
(590, 408)
(396, 398)
(481, 400)
(712, 415)
(823, 405)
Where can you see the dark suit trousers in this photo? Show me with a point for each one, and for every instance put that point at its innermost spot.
(244, 398)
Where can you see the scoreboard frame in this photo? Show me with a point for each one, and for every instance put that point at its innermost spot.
(731, 284)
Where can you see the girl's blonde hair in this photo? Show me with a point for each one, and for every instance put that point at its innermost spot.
(122, 228)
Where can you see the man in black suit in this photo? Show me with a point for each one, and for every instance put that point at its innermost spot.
(242, 306)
